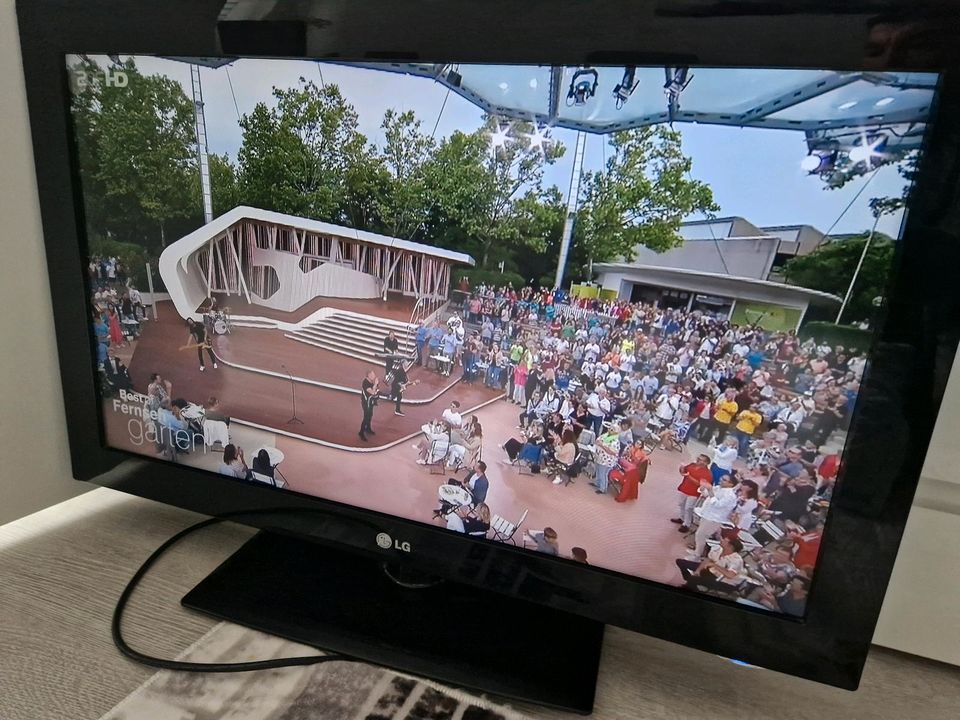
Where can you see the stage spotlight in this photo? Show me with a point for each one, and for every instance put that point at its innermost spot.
(819, 161)
(628, 83)
(677, 79)
(583, 86)
(869, 147)
(454, 78)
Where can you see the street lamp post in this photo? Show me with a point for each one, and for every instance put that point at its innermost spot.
(571, 209)
(856, 272)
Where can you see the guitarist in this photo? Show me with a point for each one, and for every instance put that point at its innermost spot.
(198, 339)
(369, 391)
(400, 381)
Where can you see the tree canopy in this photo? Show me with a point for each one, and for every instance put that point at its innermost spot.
(481, 192)
(830, 269)
(641, 196)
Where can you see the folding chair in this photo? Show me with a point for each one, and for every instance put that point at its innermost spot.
(265, 479)
(504, 530)
(529, 456)
(438, 457)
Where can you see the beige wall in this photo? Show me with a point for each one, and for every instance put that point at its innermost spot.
(34, 464)
(922, 609)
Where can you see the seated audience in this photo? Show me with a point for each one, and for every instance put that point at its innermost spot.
(722, 569)
(477, 522)
(233, 463)
(262, 464)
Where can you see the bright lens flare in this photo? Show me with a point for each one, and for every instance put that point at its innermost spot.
(867, 150)
(498, 139)
(537, 139)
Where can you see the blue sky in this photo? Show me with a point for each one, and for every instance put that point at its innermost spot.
(754, 173)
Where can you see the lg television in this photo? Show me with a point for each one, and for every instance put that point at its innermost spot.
(592, 334)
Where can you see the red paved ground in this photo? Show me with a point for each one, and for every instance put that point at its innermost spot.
(268, 349)
(328, 415)
(396, 307)
(636, 537)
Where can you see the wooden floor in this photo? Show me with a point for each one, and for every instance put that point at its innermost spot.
(395, 307)
(327, 415)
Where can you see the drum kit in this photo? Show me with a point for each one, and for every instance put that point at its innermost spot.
(219, 320)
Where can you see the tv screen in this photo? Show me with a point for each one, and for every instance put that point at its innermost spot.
(618, 315)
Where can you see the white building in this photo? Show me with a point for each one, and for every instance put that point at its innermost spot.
(727, 266)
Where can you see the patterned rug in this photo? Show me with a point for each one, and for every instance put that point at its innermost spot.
(331, 691)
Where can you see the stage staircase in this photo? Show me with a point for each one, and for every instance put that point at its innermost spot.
(354, 335)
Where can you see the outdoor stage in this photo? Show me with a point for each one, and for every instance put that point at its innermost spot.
(396, 307)
(259, 392)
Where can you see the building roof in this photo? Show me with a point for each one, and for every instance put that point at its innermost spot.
(185, 246)
(720, 281)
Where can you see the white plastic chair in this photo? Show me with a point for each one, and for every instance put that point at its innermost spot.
(215, 431)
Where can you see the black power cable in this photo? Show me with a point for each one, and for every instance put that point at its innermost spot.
(177, 665)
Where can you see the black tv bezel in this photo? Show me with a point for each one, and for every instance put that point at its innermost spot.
(891, 428)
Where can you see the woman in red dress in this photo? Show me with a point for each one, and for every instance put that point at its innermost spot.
(116, 332)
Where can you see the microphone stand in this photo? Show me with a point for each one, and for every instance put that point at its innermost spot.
(294, 420)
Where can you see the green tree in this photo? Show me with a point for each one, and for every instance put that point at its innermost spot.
(224, 186)
(830, 269)
(487, 183)
(137, 151)
(405, 200)
(640, 197)
(295, 157)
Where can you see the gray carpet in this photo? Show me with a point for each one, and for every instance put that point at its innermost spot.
(331, 691)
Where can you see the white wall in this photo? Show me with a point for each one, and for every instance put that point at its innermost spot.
(34, 465)
(298, 288)
(922, 610)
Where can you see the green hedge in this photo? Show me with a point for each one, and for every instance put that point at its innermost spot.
(486, 277)
(832, 334)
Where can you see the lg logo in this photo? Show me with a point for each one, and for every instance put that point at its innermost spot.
(111, 78)
(387, 542)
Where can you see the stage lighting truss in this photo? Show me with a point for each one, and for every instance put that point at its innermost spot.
(624, 89)
(677, 79)
(583, 86)
(836, 155)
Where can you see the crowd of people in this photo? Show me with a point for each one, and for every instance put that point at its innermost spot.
(768, 409)
(117, 313)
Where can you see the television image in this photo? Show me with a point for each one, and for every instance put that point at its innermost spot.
(501, 330)
(578, 310)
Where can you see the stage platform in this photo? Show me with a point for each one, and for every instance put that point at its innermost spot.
(269, 350)
(329, 416)
(395, 307)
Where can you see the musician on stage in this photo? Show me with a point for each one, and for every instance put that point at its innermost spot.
(390, 347)
(198, 338)
(398, 379)
(369, 391)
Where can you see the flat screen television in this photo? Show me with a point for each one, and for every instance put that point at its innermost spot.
(653, 339)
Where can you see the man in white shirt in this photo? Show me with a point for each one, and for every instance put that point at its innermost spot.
(452, 417)
(792, 416)
(715, 511)
(667, 405)
(650, 384)
(613, 380)
(598, 405)
(591, 352)
(741, 349)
